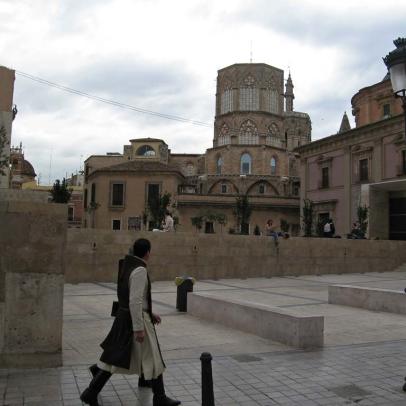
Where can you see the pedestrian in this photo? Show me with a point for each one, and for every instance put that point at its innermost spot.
(168, 224)
(132, 347)
(327, 229)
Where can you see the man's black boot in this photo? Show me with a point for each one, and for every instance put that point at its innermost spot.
(94, 369)
(144, 383)
(160, 398)
(89, 395)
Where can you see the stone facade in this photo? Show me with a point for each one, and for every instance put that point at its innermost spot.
(92, 255)
(254, 135)
(365, 166)
(7, 77)
(32, 239)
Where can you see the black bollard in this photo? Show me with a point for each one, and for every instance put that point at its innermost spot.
(207, 380)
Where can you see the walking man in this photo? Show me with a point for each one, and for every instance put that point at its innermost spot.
(132, 347)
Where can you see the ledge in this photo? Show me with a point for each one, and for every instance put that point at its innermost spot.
(382, 300)
(265, 321)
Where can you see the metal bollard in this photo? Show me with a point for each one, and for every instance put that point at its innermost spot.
(207, 380)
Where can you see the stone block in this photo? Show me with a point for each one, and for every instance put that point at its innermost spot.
(31, 360)
(33, 313)
(265, 321)
(382, 300)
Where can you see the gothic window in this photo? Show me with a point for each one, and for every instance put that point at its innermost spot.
(273, 134)
(245, 164)
(224, 136)
(190, 169)
(272, 101)
(273, 166)
(227, 100)
(248, 133)
(249, 99)
(145, 150)
(249, 95)
(219, 165)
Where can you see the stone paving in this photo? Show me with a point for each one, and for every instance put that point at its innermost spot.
(363, 362)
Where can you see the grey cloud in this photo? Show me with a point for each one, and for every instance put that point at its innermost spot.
(73, 15)
(319, 25)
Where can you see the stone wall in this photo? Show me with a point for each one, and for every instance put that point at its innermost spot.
(92, 255)
(32, 243)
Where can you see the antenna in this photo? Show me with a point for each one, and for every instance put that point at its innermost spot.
(251, 53)
(50, 168)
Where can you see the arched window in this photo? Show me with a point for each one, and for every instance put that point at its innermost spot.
(224, 136)
(145, 150)
(273, 135)
(245, 164)
(190, 169)
(273, 166)
(249, 95)
(219, 166)
(227, 101)
(248, 133)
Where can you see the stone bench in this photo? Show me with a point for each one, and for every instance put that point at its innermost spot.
(382, 300)
(265, 321)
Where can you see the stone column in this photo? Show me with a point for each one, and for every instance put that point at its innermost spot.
(32, 247)
(347, 201)
(304, 184)
(377, 161)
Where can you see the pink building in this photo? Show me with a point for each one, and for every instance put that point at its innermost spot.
(361, 166)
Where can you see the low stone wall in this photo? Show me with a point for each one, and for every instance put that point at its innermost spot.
(382, 300)
(265, 321)
(32, 243)
(92, 255)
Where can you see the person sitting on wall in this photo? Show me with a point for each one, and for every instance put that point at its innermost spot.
(328, 229)
(168, 223)
(270, 231)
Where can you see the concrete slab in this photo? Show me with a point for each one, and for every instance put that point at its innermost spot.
(384, 300)
(273, 323)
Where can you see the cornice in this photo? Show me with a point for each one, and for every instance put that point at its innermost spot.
(365, 133)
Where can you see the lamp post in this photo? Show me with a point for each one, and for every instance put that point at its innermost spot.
(395, 61)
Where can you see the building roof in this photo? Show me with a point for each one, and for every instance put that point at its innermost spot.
(27, 169)
(351, 134)
(250, 64)
(345, 124)
(146, 165)
(147, 140)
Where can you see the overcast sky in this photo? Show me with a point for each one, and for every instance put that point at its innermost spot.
(163, 56)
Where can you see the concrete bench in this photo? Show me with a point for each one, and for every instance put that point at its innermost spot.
(382, 300)
(265, 321)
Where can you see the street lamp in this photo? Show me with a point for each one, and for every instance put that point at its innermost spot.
(395, 61)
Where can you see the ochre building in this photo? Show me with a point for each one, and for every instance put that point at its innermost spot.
(255, 132)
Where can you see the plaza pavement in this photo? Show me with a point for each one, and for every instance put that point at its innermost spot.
(363, 361)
